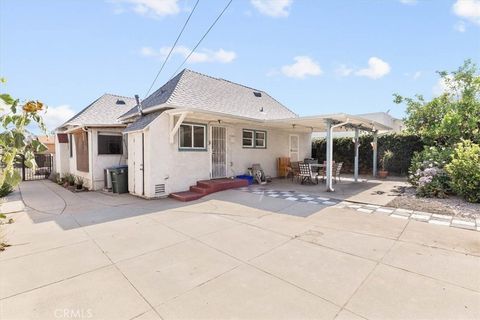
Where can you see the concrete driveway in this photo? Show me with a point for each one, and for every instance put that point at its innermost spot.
(232, 255)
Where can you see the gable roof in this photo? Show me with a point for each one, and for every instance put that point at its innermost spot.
(103, 111)
(193, 90)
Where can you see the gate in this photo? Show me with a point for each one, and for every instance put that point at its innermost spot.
(219, 152)
(42, 171)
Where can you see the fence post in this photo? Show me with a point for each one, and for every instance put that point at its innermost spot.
(23, 167)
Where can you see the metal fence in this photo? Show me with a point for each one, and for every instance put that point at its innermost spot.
(45, 165)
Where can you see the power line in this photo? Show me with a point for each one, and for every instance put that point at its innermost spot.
(203, 37)
(171, 49)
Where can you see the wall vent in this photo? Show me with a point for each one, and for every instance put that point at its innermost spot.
(159, 189)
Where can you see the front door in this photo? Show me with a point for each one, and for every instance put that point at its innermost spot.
(219, 152)
(294, 147)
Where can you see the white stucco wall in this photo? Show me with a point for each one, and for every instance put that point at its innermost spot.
(99, 162)
(178, 170)
(94, 178)
(61, 157)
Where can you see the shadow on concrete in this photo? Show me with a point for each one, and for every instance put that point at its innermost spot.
(46, 201)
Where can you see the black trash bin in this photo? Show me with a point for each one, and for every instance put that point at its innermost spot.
(119, 175)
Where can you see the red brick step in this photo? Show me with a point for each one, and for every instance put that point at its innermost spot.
(205, 187)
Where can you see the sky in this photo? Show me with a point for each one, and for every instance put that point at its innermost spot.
(315, 57)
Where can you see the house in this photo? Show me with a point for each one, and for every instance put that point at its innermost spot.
(49, 142)
(197, 127)
(194, 127)
(92, 140)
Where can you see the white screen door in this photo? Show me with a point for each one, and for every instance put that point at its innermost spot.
(138, 163)
(219, 152)
(294, 147)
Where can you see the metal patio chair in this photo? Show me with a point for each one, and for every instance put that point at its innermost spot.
(306, 174)
(337, 170)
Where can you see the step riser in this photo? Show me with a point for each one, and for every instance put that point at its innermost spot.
(206, 187)
(185, 198)
(200, 190)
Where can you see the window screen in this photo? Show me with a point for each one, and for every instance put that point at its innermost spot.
(109, 144)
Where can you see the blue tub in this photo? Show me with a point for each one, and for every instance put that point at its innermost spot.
(246, 177)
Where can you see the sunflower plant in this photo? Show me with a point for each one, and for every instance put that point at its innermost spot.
(15, 116)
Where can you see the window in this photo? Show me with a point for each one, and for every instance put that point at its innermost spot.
(70, 144)
(248, 138)
(192, 137)
(260, 139)
(254, 139)
(109, 144)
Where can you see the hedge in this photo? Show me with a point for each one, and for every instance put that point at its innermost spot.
(403, 146)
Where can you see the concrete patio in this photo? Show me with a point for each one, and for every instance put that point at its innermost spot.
(367, 190)
(229, 255)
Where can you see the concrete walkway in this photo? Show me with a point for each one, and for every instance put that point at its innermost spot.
(231, 255)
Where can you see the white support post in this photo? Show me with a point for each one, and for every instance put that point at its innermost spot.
(374, 145)
(357, 145)
(329, 155)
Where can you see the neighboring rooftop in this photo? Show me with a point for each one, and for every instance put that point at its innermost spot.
(193, 90)
(104, 111)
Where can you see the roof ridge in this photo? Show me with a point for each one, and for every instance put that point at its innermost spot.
(80, 112)
(180, 75)
(116, 95)
(222, 79)
(281, 104)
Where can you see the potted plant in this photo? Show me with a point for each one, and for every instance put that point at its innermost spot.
(387, 155)
(79, 183)
(69, 180)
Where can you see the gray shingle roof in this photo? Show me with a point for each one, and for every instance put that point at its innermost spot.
(103, 111)
(143, 122)
(193, 90)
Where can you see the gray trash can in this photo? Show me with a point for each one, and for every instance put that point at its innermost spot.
(119, 175)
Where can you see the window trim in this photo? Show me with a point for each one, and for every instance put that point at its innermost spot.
(254, 139)
(118, 134)
(192, 148)
(252, 146)
(264, 139)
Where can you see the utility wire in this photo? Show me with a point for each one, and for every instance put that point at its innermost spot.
(201, 39)
(171, 49)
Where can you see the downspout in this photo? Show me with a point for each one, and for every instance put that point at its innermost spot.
(140, 111)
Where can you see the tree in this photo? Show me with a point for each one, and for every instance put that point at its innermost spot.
(14, 143)
(450, 117)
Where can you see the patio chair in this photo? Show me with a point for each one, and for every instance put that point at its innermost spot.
(259, 174)
(295, 170)
(307, 174)
(337, 169)
(324, 170)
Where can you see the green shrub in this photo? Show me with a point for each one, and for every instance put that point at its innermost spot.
(464, 170)
(5, 190)
(429, 157)
(427, 172)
